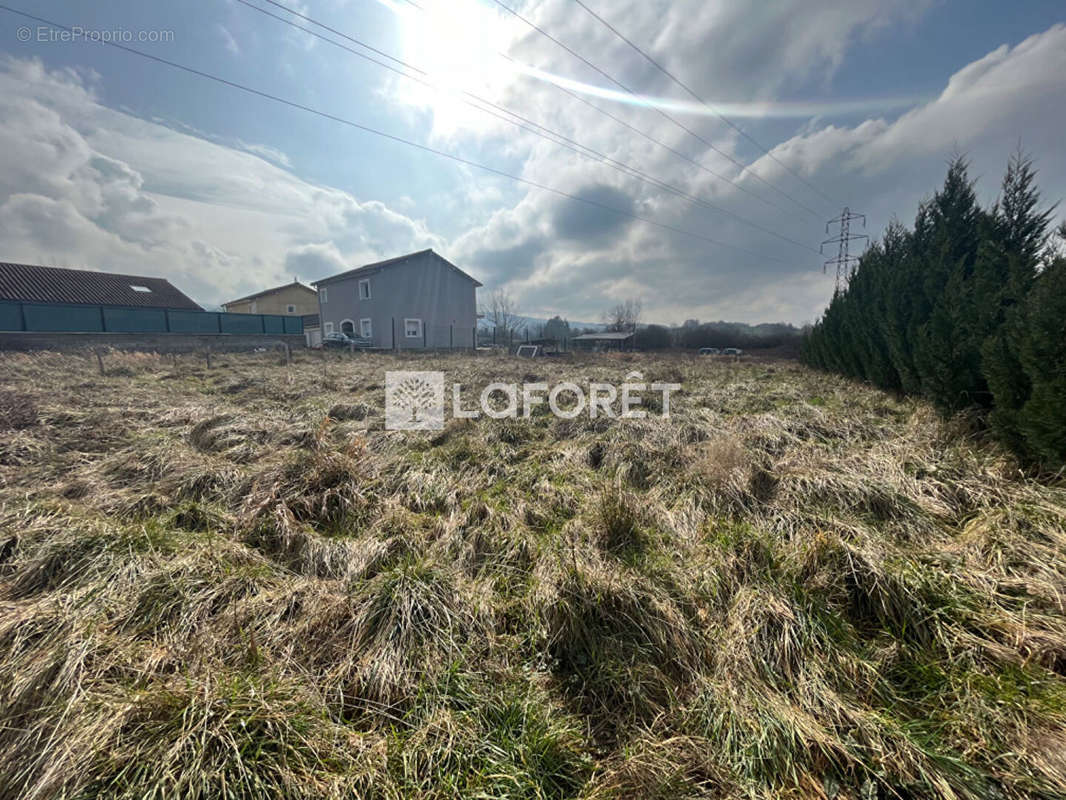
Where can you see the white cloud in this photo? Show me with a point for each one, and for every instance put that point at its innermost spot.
(84, 185)
(271, 154)
(227, 39)
(878, 166)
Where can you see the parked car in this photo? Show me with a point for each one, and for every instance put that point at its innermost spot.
(732, 351)
(710, 351)
(344, 341)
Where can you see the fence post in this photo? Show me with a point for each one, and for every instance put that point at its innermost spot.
(288, 354)
(166, 320)
(22, 316)
(218, 321)
(103, 320)
(100, 358)
(207, 353)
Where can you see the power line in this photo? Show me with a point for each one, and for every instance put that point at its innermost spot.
(524, 122)
(844, 259)
(574, 95)
(393, 137)
(745, 169)
(659, 142)
(678, 81)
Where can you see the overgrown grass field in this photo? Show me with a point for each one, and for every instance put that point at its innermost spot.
(235, 583)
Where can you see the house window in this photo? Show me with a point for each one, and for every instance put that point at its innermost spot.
(412, 328)
(323, 297)
(348, 327)
(364, 289)
(255, 307)
(138, 288)
(329, 327)
(366, 330)
(291, 309)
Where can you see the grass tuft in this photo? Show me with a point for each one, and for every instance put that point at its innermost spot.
(235, 583)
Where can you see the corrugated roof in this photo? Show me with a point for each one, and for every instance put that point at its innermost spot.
(37, 284)
(390, 262)
(270, 291)
(605, 336)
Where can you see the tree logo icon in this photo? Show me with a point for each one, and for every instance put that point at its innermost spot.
(414, 401)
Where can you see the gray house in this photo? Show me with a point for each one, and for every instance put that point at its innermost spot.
(416, 301)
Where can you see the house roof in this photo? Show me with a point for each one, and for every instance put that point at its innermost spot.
(390, 262)
(606, 336)
(265, 292)
(35, 284)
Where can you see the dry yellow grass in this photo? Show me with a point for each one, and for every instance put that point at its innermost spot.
(236, 583)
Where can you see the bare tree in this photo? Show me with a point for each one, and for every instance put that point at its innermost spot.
(624, 316)
(501, 314)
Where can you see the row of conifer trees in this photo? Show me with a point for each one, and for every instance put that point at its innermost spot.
(968, 309)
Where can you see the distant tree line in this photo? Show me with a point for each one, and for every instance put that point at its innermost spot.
(694, 335)
(503, 325)
(968, 309)
(737, 334)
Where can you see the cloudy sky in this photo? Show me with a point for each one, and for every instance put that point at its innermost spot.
(711, 208)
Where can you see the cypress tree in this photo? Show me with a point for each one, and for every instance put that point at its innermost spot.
(888, 314)
(866, 291)
(1042, 420)
(1006, 268)
(947, 361)
(960, 310)
(904, 307)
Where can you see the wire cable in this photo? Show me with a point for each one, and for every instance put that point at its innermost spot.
(523, 122)
(699, 99)
(574, 95)
(399, 139)
(745, 168)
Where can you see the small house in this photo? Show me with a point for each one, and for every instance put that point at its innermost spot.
(293, 298)
(416, 301)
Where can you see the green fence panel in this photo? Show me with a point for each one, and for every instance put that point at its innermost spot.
(193, 322)
(241, 323)
(10, 317)
(135, 320)
(62, 318)
(70, 318)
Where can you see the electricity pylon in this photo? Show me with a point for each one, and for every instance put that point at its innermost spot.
(844, 259)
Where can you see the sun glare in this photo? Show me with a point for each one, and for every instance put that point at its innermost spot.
(458, 43)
